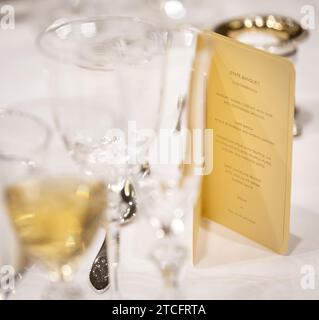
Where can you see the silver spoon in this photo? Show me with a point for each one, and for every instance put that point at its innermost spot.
(99, 274)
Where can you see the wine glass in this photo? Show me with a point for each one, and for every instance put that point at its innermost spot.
(54, 211)
(19, 150)
(104, 76)
(168, 196)
(25, 146)
(169, 193)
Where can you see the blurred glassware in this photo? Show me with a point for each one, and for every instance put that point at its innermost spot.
(103, 73)
(275, 34)
(56, 218)
(168, 193)
(23, 137)
(173, 13)
(55, 12)
(168, 196)
(24, 140)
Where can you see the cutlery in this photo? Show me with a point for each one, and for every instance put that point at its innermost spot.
(99, 273)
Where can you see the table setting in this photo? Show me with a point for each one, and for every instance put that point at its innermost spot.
(159, 150)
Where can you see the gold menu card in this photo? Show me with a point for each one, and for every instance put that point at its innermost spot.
(249, 105)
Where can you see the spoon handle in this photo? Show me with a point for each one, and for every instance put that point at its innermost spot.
(99, 274)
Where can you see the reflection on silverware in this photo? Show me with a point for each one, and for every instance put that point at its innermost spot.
(99, 274)
(129, 200)
(145, 169)
(284, 29)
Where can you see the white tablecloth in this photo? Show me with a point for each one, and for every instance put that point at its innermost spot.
(231, 266)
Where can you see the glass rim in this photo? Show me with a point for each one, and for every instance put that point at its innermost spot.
(8, 112)
(134, 19)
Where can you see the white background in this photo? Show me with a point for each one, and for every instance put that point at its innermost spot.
(232, 266)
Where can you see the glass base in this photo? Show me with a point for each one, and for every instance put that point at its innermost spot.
(169, 257)
(63, 291)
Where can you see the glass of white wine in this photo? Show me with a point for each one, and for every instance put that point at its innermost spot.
(55, 212)
(56, 219)
(23, 143)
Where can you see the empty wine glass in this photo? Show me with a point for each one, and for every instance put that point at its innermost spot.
(105, 75)
(169, 192)
(168, 195)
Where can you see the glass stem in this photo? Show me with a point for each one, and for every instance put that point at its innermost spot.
(169, 257)
(62, 287)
